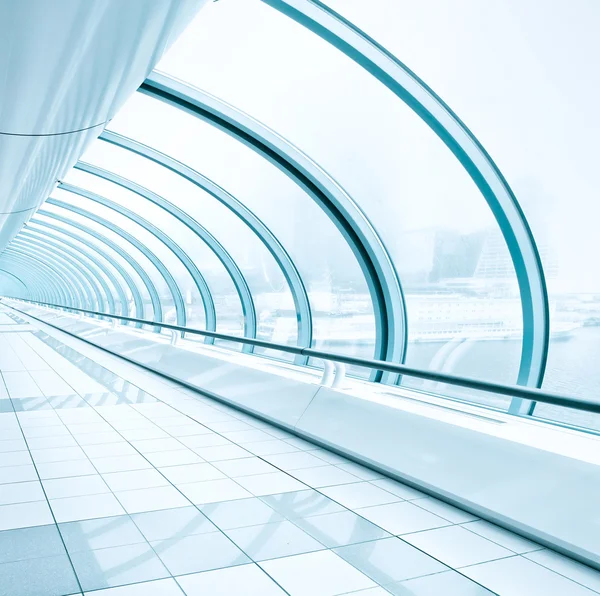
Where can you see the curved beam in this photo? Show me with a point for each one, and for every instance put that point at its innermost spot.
(50, 282)
(264, 234)
(90, 290)
(135, 293)
(239, 281)
(154, 299)
(94, 265)
(31, 281)
(72, 289)
(163, 271)
(25, 283)
(372, 256)
(399, 79)
(92, 275)
(17, 278)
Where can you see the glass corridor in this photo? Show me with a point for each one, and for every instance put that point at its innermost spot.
(313, 309)
(324, 195)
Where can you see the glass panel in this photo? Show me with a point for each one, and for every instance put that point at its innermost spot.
(540, 125)
(151, 176)
(80, 251)
(91, 241)
(152, 244)
(164, 222)
(462, 297)
(342, 311)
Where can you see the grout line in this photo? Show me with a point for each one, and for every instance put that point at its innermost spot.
(50, 508)
(246, 415)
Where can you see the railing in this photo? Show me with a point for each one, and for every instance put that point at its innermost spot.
(538, 395)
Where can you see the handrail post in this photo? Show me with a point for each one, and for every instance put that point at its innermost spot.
(327, 377)
(340, 374)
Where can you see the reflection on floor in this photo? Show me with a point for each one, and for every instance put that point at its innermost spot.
(115, 482)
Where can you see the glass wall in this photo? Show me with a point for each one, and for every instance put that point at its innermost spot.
(182, 206)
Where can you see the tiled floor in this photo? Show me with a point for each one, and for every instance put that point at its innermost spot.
(115, 482)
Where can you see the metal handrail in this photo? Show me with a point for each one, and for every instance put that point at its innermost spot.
(555, 399)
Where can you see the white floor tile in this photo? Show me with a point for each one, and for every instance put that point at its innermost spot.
(212, 491)
(248, 580)
(179, 457)
(572, 569)
(248, 466)
(58, 454)
(295, 461)
(452, 514)
(115, 449)
(322, 573)
(25, 515)
(151, 499)
(273, 540)
(402, 518)
(221, 453)
(240, 513)
(135, 479)
(17, 474)
(457, 547)
(324, 476)
(502, 537)
(78, 486)
(396, 488)
(123, 463)
(21, 492)
(65, 469)
(270, 484)
(160, 587)
(518, 576)
(360, 494)
(86, 507)
(192, 473)
(271, 448)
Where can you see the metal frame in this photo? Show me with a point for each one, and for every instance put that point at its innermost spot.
(405, 84)
(379, 271)
(76, 252)
(264, 234)
(236, 275)
(90, 290)
(162, 270)
(16, 277)
(63, 248)
(70, 289)
(156, 306)
(520, 391)
(50, 285)
(135, 293)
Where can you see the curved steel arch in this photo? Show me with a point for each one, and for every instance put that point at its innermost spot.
(36, 286)
(17, 278)
(404, 83)
(36, 289)
(264, 234)
(135, 293)
(239, 281)
(77, 279)
(76, 252)
(154, 299)
(84, 294)
(70, 288)
(372, 256)
(90, 289)
(51, 281)
(75, 259)
(163, 271)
